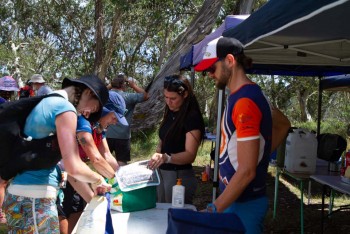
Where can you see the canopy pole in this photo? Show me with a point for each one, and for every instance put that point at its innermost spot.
(217, 143)
(193, 73)
(319, 107)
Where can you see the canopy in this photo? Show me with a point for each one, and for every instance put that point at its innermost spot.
(290, 37)
(296, 38)
(336, 83)
(195, 55)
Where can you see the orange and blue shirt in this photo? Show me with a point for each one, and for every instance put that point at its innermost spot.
(247, 116)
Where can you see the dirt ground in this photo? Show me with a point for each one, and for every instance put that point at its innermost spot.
(288, 209)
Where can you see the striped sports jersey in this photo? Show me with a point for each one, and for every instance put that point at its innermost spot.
(247, 116)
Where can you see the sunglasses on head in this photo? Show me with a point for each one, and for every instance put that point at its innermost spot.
(174, 84)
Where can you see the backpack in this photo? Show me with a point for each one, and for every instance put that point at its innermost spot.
(330, 146)
(17, 151)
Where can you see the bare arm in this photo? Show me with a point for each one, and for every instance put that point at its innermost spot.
(66, 124)
(106, 153)
(247, 160)
(82, 188)
(138, 89)
(159, 146)
(188, 156)
(98, 161)
(280, 127)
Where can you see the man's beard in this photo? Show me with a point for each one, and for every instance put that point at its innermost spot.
(225, 77)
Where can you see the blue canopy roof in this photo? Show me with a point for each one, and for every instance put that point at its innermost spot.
(336, 83)
(297, 37)
(196, 53)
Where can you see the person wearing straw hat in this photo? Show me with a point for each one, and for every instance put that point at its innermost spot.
(30, 202)
(39, 86)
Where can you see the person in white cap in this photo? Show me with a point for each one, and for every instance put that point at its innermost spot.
(246, 135)
(39, 85)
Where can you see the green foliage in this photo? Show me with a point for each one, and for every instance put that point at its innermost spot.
(143, 144)
(330, 126)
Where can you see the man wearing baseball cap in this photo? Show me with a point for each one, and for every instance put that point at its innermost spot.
(245, 137)
(39, 85)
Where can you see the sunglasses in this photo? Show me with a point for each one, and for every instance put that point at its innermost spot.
(174, 84)
(212, 68)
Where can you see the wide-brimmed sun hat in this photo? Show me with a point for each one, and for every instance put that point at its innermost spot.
(7, 83)
(37, 78)
(96, 85)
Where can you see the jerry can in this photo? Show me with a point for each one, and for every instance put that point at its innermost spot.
(301, 151)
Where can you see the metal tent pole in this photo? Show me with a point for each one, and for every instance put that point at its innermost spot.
(319, 107)
(217, 142)
(193, 73)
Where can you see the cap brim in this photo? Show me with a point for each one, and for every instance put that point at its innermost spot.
(121, 119)
(205, 64)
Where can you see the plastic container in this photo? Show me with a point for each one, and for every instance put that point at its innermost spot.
(207, 170)
(178, 196)
(204, 176)
(301, 152)
(347, 159)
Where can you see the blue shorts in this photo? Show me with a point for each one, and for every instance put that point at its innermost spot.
(252, 213)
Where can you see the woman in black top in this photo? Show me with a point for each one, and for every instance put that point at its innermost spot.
(181, 132)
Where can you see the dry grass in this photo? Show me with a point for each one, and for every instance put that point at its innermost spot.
(288, 208)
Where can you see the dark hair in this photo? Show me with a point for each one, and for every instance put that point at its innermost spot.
(244, 61)
(78, 90)
(179, 84)
(119, 81)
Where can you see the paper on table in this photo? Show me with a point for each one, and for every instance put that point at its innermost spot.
(93, 219)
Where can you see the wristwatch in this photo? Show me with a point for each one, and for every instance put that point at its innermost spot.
(168, 158)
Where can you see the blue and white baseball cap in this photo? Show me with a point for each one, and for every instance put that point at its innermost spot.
(116, 104)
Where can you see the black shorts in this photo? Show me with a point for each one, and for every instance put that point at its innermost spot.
(121, 147)
(72, 202)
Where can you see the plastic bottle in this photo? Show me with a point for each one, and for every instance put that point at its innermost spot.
(347, 159)
(207, 170)
(178, 199)
(204, 176)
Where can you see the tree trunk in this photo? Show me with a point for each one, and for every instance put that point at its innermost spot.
(302, 94)
(242, 7)
(245, 6)
(148, 114)
(99, 35)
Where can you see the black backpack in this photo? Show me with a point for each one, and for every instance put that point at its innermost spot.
(330, 146)
(17, 151)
